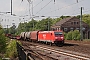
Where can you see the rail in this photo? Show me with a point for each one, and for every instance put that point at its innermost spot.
(49, 52)
(29, 54)
(77, 56)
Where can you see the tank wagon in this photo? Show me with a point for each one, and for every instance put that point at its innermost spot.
(22, 35)
(56, 37)
(27, 35)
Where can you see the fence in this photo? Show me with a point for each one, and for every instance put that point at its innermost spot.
(22, 54)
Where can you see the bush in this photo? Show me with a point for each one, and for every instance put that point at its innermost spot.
(65, 34)
(0, 58)
(73, 35)
(76, 35)
(69, 35)
(2, 41)
(11, 51)
(2, 44)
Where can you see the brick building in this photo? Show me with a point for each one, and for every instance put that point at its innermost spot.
(72, 23)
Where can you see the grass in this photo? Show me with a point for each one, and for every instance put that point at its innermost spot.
(11, 51)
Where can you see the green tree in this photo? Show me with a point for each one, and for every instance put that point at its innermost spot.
(12, 30)
(72, 35)
(56, 20)
(21, 28)
(11, 51)
(64, 17)
(86, 18)
(43, 24)
(76, 35)
(65, 35)
(2, 40)
(69, 35)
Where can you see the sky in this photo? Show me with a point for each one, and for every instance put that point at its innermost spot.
(23, 11)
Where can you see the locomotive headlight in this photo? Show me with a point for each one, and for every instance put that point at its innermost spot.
(56, 37)
(61, 37)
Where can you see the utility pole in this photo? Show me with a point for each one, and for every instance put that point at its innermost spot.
(11, 7)
(7, 29)
(0, 21)
(81, 32)
(32, 15)
(32, 8)
(48, 24)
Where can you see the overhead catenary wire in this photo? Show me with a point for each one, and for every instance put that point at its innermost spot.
(63, 7)
(75, 13)
(54, 10)
(72, 13)
(32, 7)
(38, 3)
(29, 1)
(54, 2)
(78, 2)
(74, 10)
(26, 10)
(86, 11)
(63, 14)
(78, 13)
(44, 6)
(29, 10)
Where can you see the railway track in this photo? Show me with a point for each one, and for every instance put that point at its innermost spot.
(36, 54)
(76, 56)
(53, 54)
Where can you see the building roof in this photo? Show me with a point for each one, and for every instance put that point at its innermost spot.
(63, 21)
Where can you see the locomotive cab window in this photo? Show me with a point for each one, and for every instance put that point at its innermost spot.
(58, 33)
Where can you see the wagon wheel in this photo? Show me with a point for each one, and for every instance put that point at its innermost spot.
(50, 43)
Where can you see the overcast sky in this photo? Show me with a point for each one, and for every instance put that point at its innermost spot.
(49, 8)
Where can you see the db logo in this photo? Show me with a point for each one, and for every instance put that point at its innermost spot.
(44, 36)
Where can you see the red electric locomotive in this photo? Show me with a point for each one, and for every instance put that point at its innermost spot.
(56, 37)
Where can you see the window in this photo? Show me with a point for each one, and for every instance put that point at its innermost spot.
(71, 28)
(83, 29)
(77, 28)
(58, 33)
(65, 29)
(74, 22)
(59, 28)
(77, 22)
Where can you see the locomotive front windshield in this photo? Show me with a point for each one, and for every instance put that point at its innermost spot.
(58, 33)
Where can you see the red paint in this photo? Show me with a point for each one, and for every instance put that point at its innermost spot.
(50, 36)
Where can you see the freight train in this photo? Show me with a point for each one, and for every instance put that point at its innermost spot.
(12, 36)
(51, 37)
